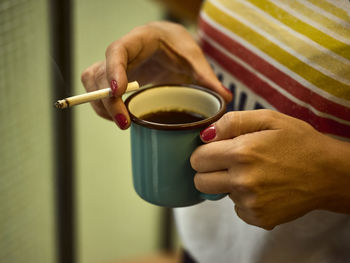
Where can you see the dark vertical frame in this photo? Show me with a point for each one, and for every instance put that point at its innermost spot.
(166, 231)
(61, 51)
(61, 27)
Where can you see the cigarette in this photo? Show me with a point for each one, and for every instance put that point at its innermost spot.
(91, 96)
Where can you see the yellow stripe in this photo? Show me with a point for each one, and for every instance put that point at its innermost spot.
(336, 11)
(316, 35)
(313, 76)
(287, 38)
(321, 19)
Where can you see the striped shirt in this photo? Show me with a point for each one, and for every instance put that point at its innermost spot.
(292, 56)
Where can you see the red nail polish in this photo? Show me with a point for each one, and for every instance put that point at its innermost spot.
(208, 134)
(121, 121)
(114, 87)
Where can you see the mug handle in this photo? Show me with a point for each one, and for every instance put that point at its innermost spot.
(212, 197)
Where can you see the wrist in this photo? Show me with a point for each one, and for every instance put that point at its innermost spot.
(336, 169)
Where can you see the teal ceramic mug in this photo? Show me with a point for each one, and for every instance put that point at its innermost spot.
(162, 173)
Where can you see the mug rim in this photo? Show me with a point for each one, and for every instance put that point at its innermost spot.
(180, 126)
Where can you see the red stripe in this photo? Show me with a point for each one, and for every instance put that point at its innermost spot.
(275, 98)
(280, 78)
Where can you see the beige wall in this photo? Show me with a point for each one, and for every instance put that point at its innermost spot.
(113, 222)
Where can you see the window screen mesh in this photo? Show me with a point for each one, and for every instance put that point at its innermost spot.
(26, 178)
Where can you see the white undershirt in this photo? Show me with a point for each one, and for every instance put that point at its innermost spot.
(212, 232)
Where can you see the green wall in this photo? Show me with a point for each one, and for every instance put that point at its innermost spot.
(113, 222)
(26, 181)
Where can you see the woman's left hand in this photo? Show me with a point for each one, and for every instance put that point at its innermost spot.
(275, 168)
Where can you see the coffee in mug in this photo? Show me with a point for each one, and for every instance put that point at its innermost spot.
(174, 116)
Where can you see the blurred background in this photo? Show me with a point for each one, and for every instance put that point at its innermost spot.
(66, 191)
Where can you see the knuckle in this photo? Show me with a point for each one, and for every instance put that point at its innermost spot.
(151, 30)
(86, 76)
(99, 74)
(226, 124)
(166, 24)
(143, 28)
(116, 48)
(199, 182)
(227, 117)
(195, 161)
(268, 115)
(244, 152)
(244, 184)
(253, 205)
(179, 27)
(111, 47)
(244, 155)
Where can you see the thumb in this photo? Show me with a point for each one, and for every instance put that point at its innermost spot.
(236, 123)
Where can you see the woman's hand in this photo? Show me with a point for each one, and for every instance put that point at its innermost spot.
(275, 168)
(157, 53)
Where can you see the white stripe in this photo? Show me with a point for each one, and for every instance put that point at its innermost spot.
(281, 44)
(252, 97)
(228, 79)
(325, 13)
(297, 34)
(311, 22)
(339, 4)
(272, 84)
(275, 63)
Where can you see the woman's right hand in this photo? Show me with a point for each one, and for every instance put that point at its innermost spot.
(157, 53)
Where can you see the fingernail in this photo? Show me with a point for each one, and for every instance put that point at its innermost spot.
(121, 121)
(114, 87)
(208, 134)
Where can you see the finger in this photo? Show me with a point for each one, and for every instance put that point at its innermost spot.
(236, 123)
(192, 53)
(101, 110)
(88, 76)
(122, 54)
(114, 105)
(206, 77)
(116, 65)
(88, 80)
(117, 110)
(214, 156)
(213, 183)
